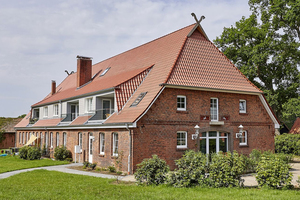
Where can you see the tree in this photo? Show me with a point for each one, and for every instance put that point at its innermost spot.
(265, 47)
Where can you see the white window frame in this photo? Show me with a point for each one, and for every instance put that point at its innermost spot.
(55, 110)
(244, 135)
(115, 144)
(245, 106)
(51, 139)
(80, 140)
(23, 138)
(214, 109)
(57, 139)
(89, 104)
(181, 139)
(46, 139)
(217, 137)
(41, 136)
(65, 139)
(46, 111)
(102, 143)
(20, 137)
(184, 103)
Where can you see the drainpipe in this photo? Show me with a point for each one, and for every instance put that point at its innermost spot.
(129, 156)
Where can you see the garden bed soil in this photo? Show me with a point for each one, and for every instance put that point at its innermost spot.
(94, 171)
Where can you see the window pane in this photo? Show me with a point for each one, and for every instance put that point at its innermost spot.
(203, 145)
(223, 144)
(212, 134)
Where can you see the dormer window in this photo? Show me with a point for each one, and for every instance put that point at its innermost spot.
(89, 104)
(55, 110)
(138, 99)
(46, 111)
(104, 72)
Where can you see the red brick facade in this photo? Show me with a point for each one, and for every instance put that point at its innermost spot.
(156, 131)
(9, 141)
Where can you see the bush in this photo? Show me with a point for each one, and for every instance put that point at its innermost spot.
(226, 170)
(30, 153)
(111, 169)
(192, 168)
(34, 153)
(62, 153)
(23, 152)
(273, 173)
(152, 171)
(287, 144)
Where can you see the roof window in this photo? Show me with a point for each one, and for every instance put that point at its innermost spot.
(104, 72)
(138, 99)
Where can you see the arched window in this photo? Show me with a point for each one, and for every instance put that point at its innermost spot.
(80, 140)
(65, 138)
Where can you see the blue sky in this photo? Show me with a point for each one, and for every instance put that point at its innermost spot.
(39, 40)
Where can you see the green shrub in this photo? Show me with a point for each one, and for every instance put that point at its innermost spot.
(34, 153)
(119, 172)
(92, 165)
(152, 171)
(192, 168)
(30, 153)
(23, 152)
(273, 173)
(85, 164)
(111, 169)
(226, 169)
(62, 153)
(288, 144)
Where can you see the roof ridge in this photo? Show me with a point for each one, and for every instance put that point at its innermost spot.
(143, 44)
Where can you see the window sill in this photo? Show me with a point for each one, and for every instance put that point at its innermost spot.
(181, 148)
(182, 111)
(101, 155)
(243, 145)
(114, 156)
(244, 114)
(216, 123)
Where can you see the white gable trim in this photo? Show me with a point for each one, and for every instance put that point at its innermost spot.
(264, 102)
(150, 105)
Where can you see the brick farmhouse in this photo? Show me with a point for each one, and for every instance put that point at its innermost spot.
(148, 100)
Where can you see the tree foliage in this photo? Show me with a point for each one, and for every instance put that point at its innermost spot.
(265, 47)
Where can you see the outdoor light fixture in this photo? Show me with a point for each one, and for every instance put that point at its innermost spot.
(240, 133)
(195, 136)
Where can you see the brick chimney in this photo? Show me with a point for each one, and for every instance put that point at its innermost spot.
(84, 70)
(53, 87)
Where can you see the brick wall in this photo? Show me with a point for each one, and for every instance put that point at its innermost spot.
(157, 130)
(9, 141)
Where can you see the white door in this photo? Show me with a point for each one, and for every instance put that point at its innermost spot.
(91, 139)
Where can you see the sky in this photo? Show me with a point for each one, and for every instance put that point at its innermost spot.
(39, 40)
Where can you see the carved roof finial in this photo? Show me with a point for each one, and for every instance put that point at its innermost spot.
(198, 21)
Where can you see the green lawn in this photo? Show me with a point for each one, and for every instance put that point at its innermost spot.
(43, 184)
(10, 163)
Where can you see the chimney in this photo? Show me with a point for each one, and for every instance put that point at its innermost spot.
(53, 87)
(84, 70)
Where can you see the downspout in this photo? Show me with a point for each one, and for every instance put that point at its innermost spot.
(129, 156)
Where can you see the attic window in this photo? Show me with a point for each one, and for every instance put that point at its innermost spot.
(104, 72)
(138, 99)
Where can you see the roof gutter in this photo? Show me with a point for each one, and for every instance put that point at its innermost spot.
(208, 89)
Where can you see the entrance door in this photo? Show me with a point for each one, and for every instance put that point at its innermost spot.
(91, 139)
(213, 142)
(106, 108)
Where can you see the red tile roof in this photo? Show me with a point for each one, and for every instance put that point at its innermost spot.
(24, 122)
(176, 59)
(296, 127)
(201, 64)
(80, 120)
(47, 122)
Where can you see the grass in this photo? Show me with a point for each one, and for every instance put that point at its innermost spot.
(43, 184)
(10, 163)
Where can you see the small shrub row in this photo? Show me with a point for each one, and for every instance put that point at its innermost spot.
(221, 170)
(87, 165)
(30, 153)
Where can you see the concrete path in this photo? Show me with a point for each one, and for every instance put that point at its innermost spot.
(249, 178)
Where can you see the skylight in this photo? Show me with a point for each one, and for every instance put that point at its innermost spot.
(104, 72)
(138, 99)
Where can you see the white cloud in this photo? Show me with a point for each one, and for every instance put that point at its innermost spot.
(40, 39)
